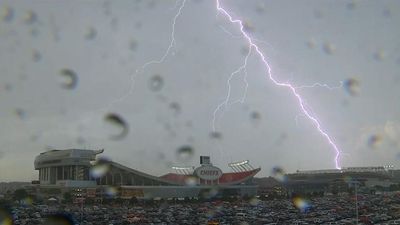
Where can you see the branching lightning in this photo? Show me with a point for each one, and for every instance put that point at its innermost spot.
(321, 85)
(164, 56)
(290, 87)
(224, 104)
(172, 42)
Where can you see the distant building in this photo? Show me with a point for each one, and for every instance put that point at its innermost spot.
(76, 171)
(336, 181)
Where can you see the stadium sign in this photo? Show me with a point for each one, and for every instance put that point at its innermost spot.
(208, 172)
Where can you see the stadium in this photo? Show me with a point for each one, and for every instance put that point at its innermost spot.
(339, 180)
(77, 170)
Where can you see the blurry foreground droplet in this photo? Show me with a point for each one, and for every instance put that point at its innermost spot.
(279, 174)
(30, 17)
(156, 83)
(191, 181)
(184, 153)
(5, 217)
(379, 55)
(175, 107)
(301, 203)
(111, 191)
(216, 135)
(347, 179)
(27, 201)
(254, 201)
(6, 14)
(391, 130)
(133, 45)
(311, 43)
(260, 7)
(352, 5)
(36, 56)
(247, 26)
(72, 78)
(90, 33)
(118, 121)
(255, 115)
(59, 219)
(328, 48)
(387, 13)
(375, 140)
(100, 168)
(210, 193)
(20, 113)
(352, 86)
(318, 14)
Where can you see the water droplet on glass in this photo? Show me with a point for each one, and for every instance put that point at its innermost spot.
(71, 78)
(387, 13)
(352, 5)
(191, 181)
(100, 168)
(318, 14)
(8, 87)
(301, 203)
(244, 50)
(328, 48)
(352, 86)
(279, 174)
(27, 201)
(133, 44)
(184, 153)
(59, 219)
(254, 201)
(311, 43)
(36, 56)
(175, 107)
(247, 26)
(391, 130)
(156, 83)
(111, 191)
(30, 17)
(375, 140)
(119, 122)
(216, 135)
(6, 14)
(379, 55)
(5, 216)
(21, 114)
(255, 115)
(260, 7)
(90, 33)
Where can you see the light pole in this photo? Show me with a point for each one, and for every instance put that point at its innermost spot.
(355, 183)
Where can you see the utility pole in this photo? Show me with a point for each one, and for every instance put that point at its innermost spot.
(355, 183)
(355, 190)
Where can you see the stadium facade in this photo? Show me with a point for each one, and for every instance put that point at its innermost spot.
(78, 170)
(339, 180)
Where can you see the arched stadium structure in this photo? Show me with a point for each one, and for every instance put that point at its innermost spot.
(77, 170)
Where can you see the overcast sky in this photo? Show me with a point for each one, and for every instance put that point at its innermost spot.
(171, 104)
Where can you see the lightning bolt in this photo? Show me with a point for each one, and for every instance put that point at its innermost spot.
(163, 57)
(172, 42)
(321, 85)
(286, 85)
(223, 105)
